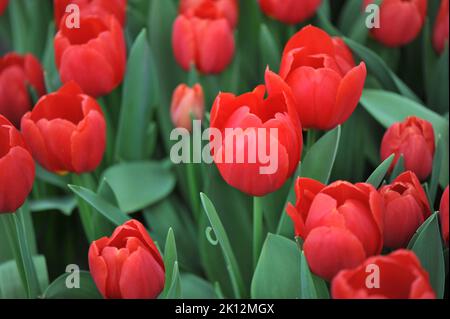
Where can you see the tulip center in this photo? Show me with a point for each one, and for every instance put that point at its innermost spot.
(89, 29)
(59, 107)
(4, 141)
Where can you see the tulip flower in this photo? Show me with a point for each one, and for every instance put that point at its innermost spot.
(400, 21)
(16, 168)
(92, 55)
(321, 72)
(406, 209)
(414, 139)
(17, 75)
(207, 43)
(117, 8)
(3, 6)
(127, 265)
(187, 103)
(64, 139)
(440, 33)
(443, 213)
(228, 9)
(290, 11)
(341, 224)
(396, 276)
(250, 125)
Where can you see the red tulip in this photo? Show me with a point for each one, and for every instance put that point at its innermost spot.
(228, 9)
(16, 168)
(321, 73)
(401, 276)
(117, 8)
(3, 5)
(440, 34)
(414, 139)
(17, 74)
(206, 43)
(66, 139)
(127, 265)
(267, 125)
(443, 213)
(341, 224)
(400, 21)
(93, 55)
(187, 103)
(290, 11)
(406, 209)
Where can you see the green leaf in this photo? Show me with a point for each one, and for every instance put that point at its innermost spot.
(398, 168)
(307, 287)
(270, 52)
(65, 204)
(427, 245)
(194, 287)
(170, 258)
(436, 172)
(376, 178)
(112, 213)
(222, 238)
(58, 289)
(277, 274)
(359, 30)
(388, 108)
(174, 291)
(53, 179)
(11, 285)
(139, 184)
(139, 96)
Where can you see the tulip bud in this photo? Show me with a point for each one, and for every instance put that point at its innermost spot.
(400, 21)
(290, 11)
(440, 33)
(127, 265)
(17, 75)
(414, 139)
(443, 213)
(396, 276)
(341, 224)
(406, 209)
(206, 43)
(66, 139)
(3, 6)
(228, 9)
(324, 79)
(16, 168)
(92, 55)
(187, 103)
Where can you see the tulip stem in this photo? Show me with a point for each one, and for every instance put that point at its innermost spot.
(193, 190)
(257, 228)
(310, 139)
(15, 233)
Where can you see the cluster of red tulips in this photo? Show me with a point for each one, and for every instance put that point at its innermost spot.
(340, 229)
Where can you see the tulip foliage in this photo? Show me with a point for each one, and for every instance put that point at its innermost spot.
(224, 149)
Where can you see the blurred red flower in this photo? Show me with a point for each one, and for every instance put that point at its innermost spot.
(93, 55)
(414, 139)
(400, 21)
(406, 209)
(3, 6)
(117, 8)
(18, 74)
(252, 114)
(440, 34)
(16, 168)
(228, 9)
(322, 74)
(443, 212)
(401, 276)
(290, 11)
(187, 103)
(66, 139)
(341, 224)
(127, 265)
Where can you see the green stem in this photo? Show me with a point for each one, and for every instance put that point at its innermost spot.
(15, 232)
(311, 138)
(257, 228)
(85, 180)
(193, 190)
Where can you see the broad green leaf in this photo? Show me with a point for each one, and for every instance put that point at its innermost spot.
(112, 213)
(194, 287)
(58, 289)
(307, 287)
(65, 204)
(270, 51)
(170, 258)
(138, 98)
(388, 108)
(11, 285)
(436, 172)
(51, 75)
(398, 169)
(277, 274)
(350, 10)
(174, 291)
(427, 245)
(376, 178)
(139, 184)
(323, 20)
